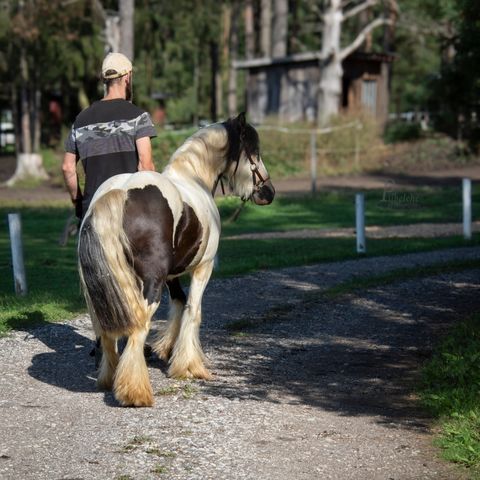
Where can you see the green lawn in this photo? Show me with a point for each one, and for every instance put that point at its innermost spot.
(451, 392)
(52, 273)
(336, 209)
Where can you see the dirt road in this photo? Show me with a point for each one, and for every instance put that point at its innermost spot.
(317, 390)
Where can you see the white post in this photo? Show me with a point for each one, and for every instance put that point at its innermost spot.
(467, 208)
(313, 161)
(15, 228)
(360, 222)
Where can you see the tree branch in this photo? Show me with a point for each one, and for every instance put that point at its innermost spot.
(363, 35)
(359, 8)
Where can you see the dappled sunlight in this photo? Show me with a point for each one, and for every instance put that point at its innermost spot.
(356, 355)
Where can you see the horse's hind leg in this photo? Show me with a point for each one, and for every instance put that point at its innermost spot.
(108, 363)
(187, 358)
(132, 384)
(165, 340)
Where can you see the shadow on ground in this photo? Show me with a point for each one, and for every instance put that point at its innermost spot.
(68, 364)
(356, 355)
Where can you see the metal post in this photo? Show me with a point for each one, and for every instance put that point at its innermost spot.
(467, 208)
(15, 228)
(313, 161)
(360, 222)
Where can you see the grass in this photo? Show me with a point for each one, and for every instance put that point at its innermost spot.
(244, 256)
(159, 469)
(336, 209)
(160, 453)
(188, 391)
(451, 392)
(54, 292)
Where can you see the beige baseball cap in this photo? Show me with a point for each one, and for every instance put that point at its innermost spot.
(115, 65)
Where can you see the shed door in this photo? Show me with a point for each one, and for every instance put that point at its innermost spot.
(369, 95)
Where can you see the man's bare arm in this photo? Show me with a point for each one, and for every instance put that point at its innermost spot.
(144, 149)
(70, 174)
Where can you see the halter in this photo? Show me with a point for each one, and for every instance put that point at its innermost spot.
(255, 173)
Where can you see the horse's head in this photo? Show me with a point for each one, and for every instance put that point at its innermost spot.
(246, 173)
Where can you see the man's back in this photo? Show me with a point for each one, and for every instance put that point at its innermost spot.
(104, 138)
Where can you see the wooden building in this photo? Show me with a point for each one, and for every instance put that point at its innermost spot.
(287, 87)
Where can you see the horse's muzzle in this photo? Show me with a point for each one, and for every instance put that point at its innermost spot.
(264, 195)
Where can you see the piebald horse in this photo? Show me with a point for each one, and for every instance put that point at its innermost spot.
(144, 230)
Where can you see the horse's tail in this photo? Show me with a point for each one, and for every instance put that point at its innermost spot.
(112, 289)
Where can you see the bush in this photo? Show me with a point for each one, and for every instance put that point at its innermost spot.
(398, 131)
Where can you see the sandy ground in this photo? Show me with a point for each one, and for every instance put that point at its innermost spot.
(315, 388)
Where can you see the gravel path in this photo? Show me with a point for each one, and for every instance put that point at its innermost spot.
(321, 389)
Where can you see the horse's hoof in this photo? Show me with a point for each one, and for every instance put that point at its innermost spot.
(193, 371)
(134, 399)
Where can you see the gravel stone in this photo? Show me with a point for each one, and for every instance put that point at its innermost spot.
(313, 388)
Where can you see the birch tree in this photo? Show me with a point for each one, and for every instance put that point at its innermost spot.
(233, 53)
(333, 54)
(280, 28)
(266, 28)
(126, 10)
(249, 30)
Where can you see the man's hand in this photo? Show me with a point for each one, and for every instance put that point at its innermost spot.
(144, 149)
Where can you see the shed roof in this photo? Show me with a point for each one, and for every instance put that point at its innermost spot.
(308, 57)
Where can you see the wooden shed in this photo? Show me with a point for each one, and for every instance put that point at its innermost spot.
(287, 87)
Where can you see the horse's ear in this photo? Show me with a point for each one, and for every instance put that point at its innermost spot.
(241, 121)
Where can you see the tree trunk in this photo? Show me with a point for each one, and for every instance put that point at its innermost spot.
(16, 119)
(331, 71)
(233, 53)
(112, 32)
(196, 85)
(249, 30)
(224, 62)
(29, 164)
(214, 80)
(332, 55)
(127, 34)
(280, 28)
(36, 112)
(266, 28)
(26, 133)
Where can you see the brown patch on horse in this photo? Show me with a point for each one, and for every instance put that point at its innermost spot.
(188, 238)
(148, 224)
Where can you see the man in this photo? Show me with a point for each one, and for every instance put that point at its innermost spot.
(111, 136)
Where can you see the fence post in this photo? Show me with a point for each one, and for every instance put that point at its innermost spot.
(357, 147)
(313, 161)
(15, 228)
(360, 222)
(467, 208)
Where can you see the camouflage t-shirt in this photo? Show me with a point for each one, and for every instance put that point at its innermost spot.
(103, 137)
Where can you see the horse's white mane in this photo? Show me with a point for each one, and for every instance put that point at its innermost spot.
(202, 155)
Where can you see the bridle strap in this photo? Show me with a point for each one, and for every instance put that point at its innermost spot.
(256, 173)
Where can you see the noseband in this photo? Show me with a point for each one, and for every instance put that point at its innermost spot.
(255, 173)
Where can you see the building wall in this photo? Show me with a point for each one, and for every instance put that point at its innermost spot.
(289, 91)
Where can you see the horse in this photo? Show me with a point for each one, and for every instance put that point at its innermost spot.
(143, 231)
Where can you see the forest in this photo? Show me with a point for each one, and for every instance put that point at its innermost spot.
(184, 55)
